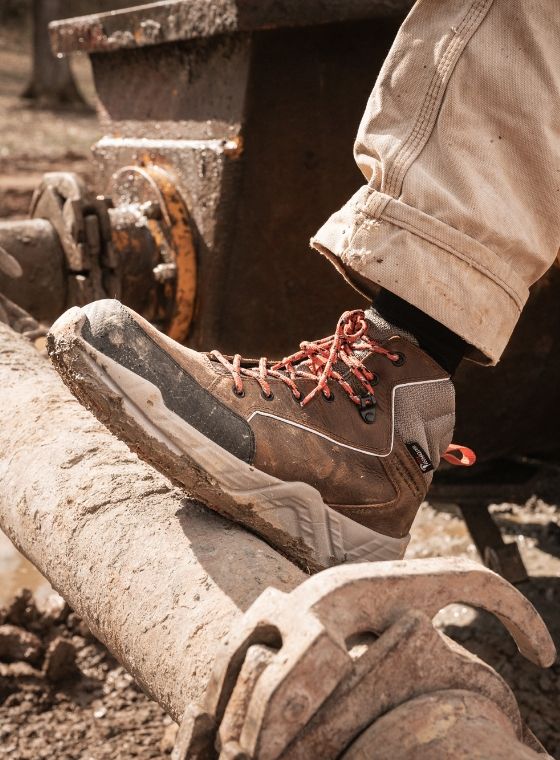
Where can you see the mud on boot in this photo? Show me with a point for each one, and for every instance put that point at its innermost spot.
(326, 454)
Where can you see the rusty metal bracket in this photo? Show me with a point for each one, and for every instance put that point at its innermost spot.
(154, 190)
(304, 673)
(138, 246)
(81, 221)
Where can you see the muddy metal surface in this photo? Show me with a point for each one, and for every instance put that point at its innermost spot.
(101, 714)
(179, 21)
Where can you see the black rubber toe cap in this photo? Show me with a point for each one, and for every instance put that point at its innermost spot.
(112, 330)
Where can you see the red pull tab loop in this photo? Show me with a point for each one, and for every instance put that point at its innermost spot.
(460, 456)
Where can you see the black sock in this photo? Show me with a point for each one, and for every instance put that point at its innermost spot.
(443, 345)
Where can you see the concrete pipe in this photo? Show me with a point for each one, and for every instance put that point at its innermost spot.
(158, 579)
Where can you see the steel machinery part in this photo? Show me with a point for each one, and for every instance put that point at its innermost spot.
(81, 221)
(10, 313)
(177, 20)
(136, 246)
(41, 287)
(304, 674)
(152, 190)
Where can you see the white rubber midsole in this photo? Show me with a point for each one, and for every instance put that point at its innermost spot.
(293, 507)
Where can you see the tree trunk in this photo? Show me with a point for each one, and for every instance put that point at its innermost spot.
(52, 82)
(157, 578)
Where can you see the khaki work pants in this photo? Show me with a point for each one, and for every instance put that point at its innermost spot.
(460, 147)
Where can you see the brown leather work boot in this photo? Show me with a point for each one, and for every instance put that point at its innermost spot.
(326, 454)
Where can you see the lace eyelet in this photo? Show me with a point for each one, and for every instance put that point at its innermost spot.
(268, 397)
(239, 394)
(330, 398)
(296, 399)
(401, 359)
(375, 380)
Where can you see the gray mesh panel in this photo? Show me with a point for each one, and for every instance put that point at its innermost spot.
(382, 330)
(425, 414)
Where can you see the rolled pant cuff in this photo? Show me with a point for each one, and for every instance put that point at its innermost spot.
(440, 270)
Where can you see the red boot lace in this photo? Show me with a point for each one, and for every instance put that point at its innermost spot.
(315, 361)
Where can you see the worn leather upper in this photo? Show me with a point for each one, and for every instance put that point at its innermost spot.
(363, 470)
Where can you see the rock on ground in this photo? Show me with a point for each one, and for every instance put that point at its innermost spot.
(76, 702)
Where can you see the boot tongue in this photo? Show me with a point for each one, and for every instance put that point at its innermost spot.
(380, 330)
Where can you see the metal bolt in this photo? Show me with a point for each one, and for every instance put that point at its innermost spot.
(151, 210)
(165, 272)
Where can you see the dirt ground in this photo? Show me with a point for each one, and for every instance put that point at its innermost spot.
(79, 705)
(34, 141)
(62, 695)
